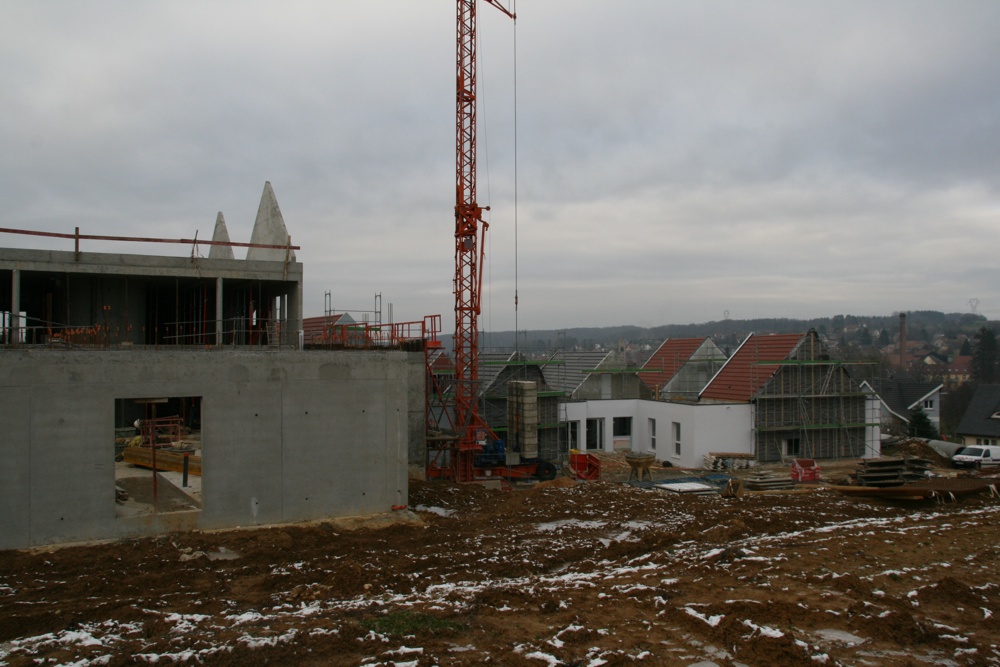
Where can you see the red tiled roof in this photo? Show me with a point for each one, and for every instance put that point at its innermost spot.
(313, 328)
(961, 364)
(743, 375)
(667, 360)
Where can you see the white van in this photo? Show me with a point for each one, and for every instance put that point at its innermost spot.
(976, 457)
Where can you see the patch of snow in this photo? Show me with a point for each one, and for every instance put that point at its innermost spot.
(550, 659)
(578, 523)
(840, 636)
(440, 511)
(246, 617)
(710, 620)
(763, 629)
(258, 642)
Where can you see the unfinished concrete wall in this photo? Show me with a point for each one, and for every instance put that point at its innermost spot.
(286, 436)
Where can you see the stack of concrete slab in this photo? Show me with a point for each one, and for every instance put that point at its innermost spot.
(892, 471)
(766, 480)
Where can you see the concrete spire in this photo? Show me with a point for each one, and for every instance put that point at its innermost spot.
(269, 229)
(220, 234)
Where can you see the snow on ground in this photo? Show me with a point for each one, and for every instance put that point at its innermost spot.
(602, 586)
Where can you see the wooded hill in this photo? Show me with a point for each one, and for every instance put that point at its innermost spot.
(864, 330)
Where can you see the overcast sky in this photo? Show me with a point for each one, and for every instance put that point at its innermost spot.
(675, 161)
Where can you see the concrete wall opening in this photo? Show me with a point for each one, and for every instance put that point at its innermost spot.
(158, 449)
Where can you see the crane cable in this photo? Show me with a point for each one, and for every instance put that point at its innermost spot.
(489, 193)
(517, 334)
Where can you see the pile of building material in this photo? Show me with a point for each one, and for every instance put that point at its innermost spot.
(766, 480)
(728, 461)
(892, 471)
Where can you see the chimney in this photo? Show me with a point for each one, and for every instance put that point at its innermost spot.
(902, 341)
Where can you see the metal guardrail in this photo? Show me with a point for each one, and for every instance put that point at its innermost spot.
(236, 332)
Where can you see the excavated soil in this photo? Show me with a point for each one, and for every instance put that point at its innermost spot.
(564, 573)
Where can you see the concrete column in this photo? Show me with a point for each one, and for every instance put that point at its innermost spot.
(218, 310)
(287, 335)
(295, 313)
(15, 307)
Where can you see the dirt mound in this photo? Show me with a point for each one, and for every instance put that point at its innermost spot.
(918, 448)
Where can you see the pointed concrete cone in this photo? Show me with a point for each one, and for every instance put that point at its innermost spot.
(221, 234)
(269, 229)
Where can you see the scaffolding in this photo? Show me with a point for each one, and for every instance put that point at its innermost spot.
(811, 408)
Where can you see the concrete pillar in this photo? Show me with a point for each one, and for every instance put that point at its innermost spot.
(218, 310)
(15, 307)
(295, 313)
(287, 335)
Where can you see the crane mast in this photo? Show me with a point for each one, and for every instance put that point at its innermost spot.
(470, 231)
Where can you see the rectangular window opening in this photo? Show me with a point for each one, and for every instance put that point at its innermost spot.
(595, 433)
(158, 449)
(793, 447)
(621, 431)
(676, 427)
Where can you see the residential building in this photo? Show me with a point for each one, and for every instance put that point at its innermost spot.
(980, 424)
(681, 367)
(898, 397)
(777, 397)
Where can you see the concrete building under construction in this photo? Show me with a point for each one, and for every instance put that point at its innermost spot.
(96, 346)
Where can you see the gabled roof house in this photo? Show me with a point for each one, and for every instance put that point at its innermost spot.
(595, 375)
(899, 397)
(804, 403)
(980, 424)
(681, 367)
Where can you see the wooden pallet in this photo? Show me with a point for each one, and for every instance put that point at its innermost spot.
(165, 459)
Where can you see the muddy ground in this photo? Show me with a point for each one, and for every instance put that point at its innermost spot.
(564, 573)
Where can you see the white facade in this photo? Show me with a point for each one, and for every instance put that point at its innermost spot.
(702, 428)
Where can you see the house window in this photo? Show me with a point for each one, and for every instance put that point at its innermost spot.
(792, 447)
(652, 434)
(929, 403)
(676, 427)
(621, 430)
(573, 434)
(622, 426)
(595, 433)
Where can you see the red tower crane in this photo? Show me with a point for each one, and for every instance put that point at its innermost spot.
(470, 231)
